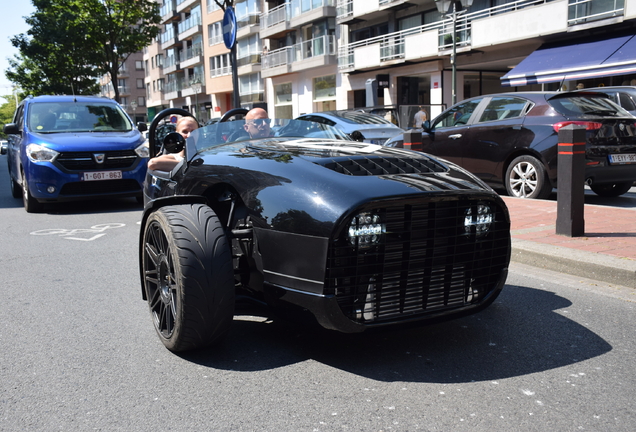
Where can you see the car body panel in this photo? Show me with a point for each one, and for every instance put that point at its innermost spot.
(374, 129)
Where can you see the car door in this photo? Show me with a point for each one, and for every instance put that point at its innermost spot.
(14, 144)
(494, 134)
(447, 136)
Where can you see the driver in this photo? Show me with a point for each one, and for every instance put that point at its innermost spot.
(166, 162)
(257, 123)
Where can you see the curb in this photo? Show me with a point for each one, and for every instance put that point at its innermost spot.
(590, 265)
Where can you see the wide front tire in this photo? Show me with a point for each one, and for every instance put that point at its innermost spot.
(31, 205)
(188, 276)
(526, 178)
(611, 190)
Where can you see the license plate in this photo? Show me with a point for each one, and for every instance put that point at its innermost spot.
(622, 158)
(101, 175)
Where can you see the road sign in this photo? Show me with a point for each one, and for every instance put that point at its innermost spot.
(229, 28)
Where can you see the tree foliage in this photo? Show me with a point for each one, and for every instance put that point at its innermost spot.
(6, 112)
(72, 42)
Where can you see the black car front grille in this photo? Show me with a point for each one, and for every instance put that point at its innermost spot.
(87, 161)
(375, 165)
(426, 262)
(100, 187)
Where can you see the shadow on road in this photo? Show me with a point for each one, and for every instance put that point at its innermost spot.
(519, 334)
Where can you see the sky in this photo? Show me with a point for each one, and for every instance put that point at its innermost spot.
(12, 24)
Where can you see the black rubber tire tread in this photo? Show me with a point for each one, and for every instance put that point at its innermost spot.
(16, 190)
(611, 190)
(543, 188)
(31, 205)
(204, 275)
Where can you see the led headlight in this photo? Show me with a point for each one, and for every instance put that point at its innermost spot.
(143, 150)
(478, 220)
(366, 230)
(39, 153)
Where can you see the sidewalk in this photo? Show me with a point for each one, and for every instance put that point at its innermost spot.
(606, 253)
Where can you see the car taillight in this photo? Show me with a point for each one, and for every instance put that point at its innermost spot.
(588, 125)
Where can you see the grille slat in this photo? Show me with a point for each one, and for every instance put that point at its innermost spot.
(426, 262)
(83, 161)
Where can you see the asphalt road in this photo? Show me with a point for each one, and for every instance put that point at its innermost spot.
(79, 351)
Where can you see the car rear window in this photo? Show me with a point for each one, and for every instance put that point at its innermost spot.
(577, 105)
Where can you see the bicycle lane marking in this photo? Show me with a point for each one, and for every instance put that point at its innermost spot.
(98, 230)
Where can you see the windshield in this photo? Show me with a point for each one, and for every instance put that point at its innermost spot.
(279, 131)
(54, 117)
(576, 105)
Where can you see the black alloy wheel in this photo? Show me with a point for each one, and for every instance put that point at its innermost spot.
(188, 276)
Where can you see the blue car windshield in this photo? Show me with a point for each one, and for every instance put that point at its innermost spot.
(57, 117)
(278, 131)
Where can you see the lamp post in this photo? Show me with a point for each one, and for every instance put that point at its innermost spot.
(196, 88)
(442, 7)
(133, 105)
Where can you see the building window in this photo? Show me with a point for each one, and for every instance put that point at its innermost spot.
(220, 65)
(325, 88)
(283, 103)
(215, 33)
(251, 88)
(140, 83)
(248, 50)
(139, 65)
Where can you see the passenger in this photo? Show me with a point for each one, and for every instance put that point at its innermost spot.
(257, 123)
(166, 162)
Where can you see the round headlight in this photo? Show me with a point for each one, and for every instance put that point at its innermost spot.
(366, 230)
(478, 220)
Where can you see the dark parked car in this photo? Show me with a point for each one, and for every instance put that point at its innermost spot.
(72, 147)
(352, 235)
(625, 96)
(510, 140)
(360, 126)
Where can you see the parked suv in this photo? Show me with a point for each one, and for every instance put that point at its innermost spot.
(72, 147)
(625, 96)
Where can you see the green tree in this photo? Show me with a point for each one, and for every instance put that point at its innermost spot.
(73, 42)
(6, 112)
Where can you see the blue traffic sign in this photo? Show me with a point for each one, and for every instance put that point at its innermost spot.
(229, 28)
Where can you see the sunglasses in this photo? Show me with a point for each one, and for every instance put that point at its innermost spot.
(259, 122)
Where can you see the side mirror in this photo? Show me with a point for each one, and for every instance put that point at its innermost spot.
(11, 129)
(426, 126)
(174, 142)
(142, 127)
(357, 136)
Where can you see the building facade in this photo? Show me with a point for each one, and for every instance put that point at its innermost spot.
(301, 56)
(131, 86)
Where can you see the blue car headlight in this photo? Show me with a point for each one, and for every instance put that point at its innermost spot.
(142, 150)
(40, 153)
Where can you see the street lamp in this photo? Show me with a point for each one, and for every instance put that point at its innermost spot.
(196, 88)
(442, 7)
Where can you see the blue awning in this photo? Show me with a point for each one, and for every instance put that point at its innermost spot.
(575, 61)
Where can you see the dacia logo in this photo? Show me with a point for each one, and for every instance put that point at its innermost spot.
(99, 157)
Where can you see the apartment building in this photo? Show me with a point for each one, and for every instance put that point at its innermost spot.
(300, 56)
(407, 46)
(131, 86)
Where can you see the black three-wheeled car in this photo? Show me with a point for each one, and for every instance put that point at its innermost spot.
(355, 235)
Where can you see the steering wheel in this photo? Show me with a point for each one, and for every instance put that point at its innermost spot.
(234, 112)
(154, 146)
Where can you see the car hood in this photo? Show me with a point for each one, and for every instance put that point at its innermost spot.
(325, 180)
(79, 141)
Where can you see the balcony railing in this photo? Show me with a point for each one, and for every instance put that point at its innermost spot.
(216, 72)
(320, 46)
(344, 9)
(170, 60)
(192, 21)
(167, 35)
(275, 16)
(299, 7)
(392, 45)
(193, 51)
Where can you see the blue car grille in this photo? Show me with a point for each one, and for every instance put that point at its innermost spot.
(426, 263)
(86, 161)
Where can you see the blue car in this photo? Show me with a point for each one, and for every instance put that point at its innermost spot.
(63, 148)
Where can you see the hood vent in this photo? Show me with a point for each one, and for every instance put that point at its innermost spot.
(377, 166)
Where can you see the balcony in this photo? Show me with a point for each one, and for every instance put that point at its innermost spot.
(190, 27)
(520, 20)
(172, 89)
(305, 12)
(168, 11)
(185, 5)
(193, 56)
(168, 39)
(248, 25)
(248, 64)
(171, 64)
(320, 51)
(351, 11)
(275, 21)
